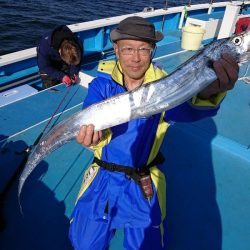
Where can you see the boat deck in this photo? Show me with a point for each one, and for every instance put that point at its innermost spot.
(207, 169)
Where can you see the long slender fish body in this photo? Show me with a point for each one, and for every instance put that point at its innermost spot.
(186, 81)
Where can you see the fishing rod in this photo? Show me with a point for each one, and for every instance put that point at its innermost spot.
(25, 153)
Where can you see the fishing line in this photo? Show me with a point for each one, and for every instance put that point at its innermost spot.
(24, 160)
(37, 124)
(58, 116)
(28, 149)
(45, 127)
(51, 118)
(245, 78)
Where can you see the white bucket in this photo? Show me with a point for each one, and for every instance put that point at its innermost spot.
(192, 37)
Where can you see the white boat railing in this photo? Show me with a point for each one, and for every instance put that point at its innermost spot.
(84, 26)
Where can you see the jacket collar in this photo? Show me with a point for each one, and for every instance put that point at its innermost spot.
(152, 74)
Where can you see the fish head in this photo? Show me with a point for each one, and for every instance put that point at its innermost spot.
(242, 45)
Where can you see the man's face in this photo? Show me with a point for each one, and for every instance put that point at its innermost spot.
(134, 57)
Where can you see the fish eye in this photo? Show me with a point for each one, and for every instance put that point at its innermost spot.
(237, 40)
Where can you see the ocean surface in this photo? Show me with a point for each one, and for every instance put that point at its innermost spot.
(23, 22)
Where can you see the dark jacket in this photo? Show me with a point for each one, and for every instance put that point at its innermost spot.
(48, 57)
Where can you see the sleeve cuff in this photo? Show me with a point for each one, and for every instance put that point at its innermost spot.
(212, 102)
(105, 140)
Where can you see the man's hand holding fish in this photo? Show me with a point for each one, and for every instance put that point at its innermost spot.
(227, 70)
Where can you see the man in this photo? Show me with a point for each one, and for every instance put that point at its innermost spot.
(124, 187)
(59, 55)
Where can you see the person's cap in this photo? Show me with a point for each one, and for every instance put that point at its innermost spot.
(136, 28)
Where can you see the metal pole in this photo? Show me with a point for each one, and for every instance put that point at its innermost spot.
(242, 7)
(166, 5)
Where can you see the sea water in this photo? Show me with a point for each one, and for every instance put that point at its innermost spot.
(22, 23)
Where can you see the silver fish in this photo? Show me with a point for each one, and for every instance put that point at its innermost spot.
(186, 81)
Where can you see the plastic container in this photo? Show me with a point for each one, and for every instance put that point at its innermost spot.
(192, 37)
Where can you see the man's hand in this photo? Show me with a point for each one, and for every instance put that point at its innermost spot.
(66, 80)
(227, 70)
(88, 137)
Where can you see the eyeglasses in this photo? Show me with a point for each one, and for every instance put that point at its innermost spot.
(128, 51)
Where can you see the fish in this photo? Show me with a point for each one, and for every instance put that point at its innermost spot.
(176, 88)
